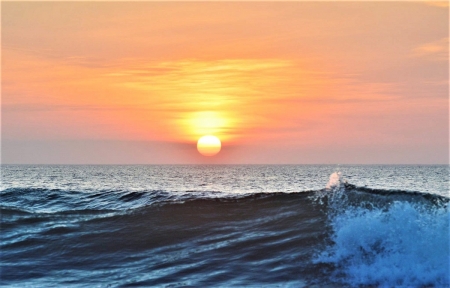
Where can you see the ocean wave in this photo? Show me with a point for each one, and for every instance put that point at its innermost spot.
(403, 246)
(342, 235)
(392, 238)
(57, 200)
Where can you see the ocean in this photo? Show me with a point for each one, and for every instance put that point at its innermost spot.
(225, 226)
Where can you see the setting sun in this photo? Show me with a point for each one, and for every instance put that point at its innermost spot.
(176, 125)
(208, 145)
(317, 87)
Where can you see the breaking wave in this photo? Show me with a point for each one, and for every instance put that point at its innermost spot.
(341, 235)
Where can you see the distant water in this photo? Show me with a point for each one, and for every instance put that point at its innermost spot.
(222, 226)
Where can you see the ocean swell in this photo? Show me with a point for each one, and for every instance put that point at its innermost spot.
(342, 235)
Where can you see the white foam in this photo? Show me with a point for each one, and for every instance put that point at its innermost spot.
(405, 245)
(335, 181)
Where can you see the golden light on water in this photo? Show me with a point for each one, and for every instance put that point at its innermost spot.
(209, 145)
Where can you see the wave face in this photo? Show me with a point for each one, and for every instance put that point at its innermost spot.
(223, 226)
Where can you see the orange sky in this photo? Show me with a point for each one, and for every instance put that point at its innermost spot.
(291, 82)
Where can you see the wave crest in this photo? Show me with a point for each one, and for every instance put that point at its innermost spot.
(386, 238)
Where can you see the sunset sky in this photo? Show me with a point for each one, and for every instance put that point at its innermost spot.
(278, 83)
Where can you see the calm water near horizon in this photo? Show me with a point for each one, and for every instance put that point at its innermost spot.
(225, 225)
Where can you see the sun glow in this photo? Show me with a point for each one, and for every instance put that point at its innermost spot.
(209, 145)
(208, 123)
(226, 97)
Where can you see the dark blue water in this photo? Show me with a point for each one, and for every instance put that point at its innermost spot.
(222, 226)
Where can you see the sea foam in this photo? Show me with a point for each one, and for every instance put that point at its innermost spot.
(404, 244)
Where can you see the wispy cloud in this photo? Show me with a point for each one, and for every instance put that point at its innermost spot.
(436, 50)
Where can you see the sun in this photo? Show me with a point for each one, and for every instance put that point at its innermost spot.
(208, 145)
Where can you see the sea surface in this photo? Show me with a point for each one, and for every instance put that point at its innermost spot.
(224, 226)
